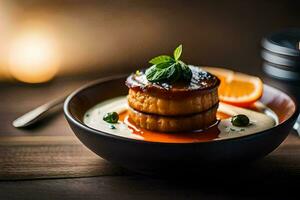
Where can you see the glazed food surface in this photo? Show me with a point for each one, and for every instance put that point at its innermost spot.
(173, 124)
(177, 99)
(172, 107)
(201, 82)
(221, 130)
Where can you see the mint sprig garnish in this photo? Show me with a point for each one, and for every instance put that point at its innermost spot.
(177, 52)
(168, 69)
(161, 59)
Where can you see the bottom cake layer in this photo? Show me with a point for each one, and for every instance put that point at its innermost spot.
(174, 124)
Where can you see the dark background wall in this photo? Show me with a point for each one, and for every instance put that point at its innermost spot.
(118, 36)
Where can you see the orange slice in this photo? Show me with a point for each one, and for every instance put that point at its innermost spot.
(237, 88)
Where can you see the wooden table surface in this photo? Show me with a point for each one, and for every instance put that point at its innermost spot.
(48, 162)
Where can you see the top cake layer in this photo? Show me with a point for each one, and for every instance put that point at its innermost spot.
(202, 82)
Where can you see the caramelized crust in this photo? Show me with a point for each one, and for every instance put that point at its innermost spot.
(146, 103)
(174, 124)
(201, 83)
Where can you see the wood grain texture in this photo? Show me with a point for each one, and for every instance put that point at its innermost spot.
(40, 157)
(141, 187)
(35, 157)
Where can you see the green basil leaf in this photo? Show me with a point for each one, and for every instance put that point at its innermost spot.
(167, 74)
(178, 74)
(177, 52)
(161, 59)
(159, 76)
(167, 69)
(174, 73)
(164, 74)
(186, 72)
(150, 72)
(164, 65)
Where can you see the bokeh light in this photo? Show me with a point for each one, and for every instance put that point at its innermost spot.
(33, 57)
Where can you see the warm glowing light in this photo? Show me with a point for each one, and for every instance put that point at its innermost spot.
(33, 58)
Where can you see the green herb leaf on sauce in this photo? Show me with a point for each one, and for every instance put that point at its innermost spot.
(240, 120)
(111, 117)
(112, 126)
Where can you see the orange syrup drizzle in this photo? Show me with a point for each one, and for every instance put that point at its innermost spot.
(181, 137)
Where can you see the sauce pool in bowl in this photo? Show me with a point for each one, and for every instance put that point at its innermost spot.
(261, 118)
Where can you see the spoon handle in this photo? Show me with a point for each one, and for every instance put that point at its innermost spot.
(36, 114)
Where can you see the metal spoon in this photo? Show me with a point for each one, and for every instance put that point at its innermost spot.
(37, 114)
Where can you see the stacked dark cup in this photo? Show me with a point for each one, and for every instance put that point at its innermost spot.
(281, 54)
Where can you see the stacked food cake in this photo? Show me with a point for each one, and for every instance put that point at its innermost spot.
(173, 107)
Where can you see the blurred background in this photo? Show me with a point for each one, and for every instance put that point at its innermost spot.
(42, 40)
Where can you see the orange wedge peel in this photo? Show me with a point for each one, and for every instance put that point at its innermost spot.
(237, 88)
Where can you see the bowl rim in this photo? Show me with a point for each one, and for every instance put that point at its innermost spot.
(78, 123)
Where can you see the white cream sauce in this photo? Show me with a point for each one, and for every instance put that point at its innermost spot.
(259, 121)
(94, 117)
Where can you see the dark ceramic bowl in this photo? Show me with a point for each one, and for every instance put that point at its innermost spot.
(156, 157)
